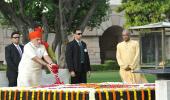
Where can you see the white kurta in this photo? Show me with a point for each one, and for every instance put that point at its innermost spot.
(128, 54)
(29, 71)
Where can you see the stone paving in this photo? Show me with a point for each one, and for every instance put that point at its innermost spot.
(46, 79)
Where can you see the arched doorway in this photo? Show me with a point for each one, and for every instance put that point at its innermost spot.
(108, 42)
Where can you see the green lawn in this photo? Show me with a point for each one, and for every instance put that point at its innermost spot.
(112, 76)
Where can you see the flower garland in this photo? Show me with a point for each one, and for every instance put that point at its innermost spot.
(66, 95)
(149, 94)
(27, 93)
(114, 95)
(61, 92)
(107, 94)
(38, 95)
(77, 95)
(84, 95)
(135, 94)
(15, 94)
(21, 94)
(49, 95)
(121, 94)
(143, 94)
(54, 96)
(33, 95)
(128, 94)
(44, 94)
(9, 95)
(0, 93)
(100, 95)
(5, 92)
(72, 95)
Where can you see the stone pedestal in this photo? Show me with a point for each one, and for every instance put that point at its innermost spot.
(3, 79)
(162, 89)
(47, 79)
(64, 75)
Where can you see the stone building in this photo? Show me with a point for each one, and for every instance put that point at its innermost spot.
(102, 41)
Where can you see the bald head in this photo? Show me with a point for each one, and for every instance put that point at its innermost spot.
(126, 35)
(126, 32)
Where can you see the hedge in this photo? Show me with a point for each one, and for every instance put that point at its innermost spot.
(108, 65)
(3, 67)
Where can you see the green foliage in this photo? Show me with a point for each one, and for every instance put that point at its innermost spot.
(3, 21)
(140, 12)
(33, 10)
(108, 65)
(98, 16)
(3, 67)
(51, 53)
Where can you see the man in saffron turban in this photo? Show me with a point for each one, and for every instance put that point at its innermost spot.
(34, 56)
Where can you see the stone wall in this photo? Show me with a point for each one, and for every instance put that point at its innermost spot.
(5, 34)
(93, 49)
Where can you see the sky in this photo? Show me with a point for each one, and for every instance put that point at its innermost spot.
(115, 1)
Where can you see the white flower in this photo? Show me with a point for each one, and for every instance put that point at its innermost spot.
(8, 1)
(45, 10)
(38, 4)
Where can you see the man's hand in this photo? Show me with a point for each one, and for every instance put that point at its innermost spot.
(128, 68)
(72, 73)
(88, 74)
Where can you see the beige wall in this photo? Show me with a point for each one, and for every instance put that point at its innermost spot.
(5, 33)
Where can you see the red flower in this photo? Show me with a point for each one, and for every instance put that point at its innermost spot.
(45, 44)
(54, 68)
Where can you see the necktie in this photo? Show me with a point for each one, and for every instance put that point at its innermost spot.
(81, 52)
(19, 50)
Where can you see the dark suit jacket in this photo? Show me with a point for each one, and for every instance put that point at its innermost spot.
(73, 57)
(12, 58)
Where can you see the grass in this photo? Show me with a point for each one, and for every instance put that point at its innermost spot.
(104, 76)
(112, 76)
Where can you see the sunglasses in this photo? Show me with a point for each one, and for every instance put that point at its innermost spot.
(16, 37)
(79, 33)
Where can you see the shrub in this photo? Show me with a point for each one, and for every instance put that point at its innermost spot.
(3, 67)
(108, 65)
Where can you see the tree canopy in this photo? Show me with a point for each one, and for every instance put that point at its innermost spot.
(140, 12)
(74, 13)
(57, 16)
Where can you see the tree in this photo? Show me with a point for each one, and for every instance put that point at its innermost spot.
(58, 16)
(140, 12)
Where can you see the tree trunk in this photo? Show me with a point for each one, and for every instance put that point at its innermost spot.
(46, 28)
(64, 38)
(25, 33)
(61, 60)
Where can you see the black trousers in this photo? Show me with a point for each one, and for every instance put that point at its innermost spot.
(81, 76)
(12, 81)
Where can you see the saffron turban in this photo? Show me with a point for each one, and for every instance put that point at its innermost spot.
(35, 34)
(39, 29)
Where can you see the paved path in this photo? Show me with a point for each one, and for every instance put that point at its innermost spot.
(47, 79)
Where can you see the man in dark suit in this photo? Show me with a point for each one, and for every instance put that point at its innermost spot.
(77, 59)
(13, 54)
